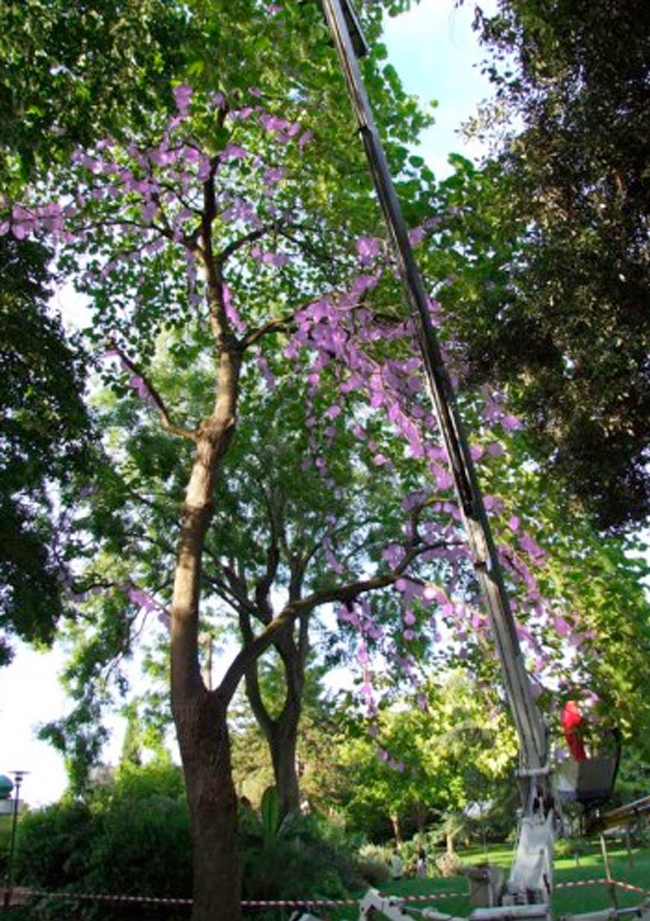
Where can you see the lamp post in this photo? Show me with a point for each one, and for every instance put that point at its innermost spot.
(18, 779)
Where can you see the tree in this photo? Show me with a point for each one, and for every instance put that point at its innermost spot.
(178, 236)
(428, 762)
(70, 76)
(317, 742)
(66, 77)
(200, 713)
(571, 194)
(49, 41)
(46, 441)
(176, 200)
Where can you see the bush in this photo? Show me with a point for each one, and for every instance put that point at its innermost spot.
(126, 840)
(135, 839)
(374, 872)
(301, 857)
(142, 847)
(53, 846)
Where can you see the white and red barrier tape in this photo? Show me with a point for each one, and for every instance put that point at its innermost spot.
(299, 903)
(602, 881)
(246, 903)
(628, 886)
(574, 884)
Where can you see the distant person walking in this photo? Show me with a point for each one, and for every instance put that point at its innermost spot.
(421, 866)
(396, 866)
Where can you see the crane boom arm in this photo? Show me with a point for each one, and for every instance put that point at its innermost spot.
(534, 768)
(528, 721)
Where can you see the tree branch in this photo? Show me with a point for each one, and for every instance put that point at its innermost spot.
(167, 424)
(344, 593)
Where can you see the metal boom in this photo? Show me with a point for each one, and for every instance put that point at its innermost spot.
(534, 769)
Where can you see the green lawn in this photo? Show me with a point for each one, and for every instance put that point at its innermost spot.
(565, 900)
(633, 869)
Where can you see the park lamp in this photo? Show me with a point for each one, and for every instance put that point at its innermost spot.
(6, 786)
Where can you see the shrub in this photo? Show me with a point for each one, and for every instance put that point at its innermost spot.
(301, 857)
(135, 839)
(374, 872)
(53, 846)
(127, 839)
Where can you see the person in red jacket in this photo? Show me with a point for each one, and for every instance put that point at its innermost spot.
(571, 722)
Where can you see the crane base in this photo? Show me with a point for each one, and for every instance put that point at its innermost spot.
(512, 913)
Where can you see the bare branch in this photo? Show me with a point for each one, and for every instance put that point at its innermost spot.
(167, 424)
(347, 593)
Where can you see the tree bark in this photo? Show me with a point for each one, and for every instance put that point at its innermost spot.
(281, 732)
(205, 749)
(201, 715)
(283, 743)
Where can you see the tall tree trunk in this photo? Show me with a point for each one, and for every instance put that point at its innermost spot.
(201, 715)
(283, 742)
(281, 732)
(202, 729)
(205, 749)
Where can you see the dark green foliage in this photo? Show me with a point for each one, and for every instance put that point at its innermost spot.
(132, 836)
(568, 324)
(44, 440)
(79, 736)
(142, 847)
(295, 857)
(72, 72)
(53, 846)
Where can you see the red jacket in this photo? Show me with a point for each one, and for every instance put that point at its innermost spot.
(571, 720)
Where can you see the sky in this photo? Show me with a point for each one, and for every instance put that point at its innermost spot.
(435, 52)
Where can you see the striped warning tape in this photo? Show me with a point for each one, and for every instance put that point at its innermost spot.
(347, 903)
(246, 903)
(302, 903)
(603, 881)
(103, 897)
(629, 886)
(574, 884)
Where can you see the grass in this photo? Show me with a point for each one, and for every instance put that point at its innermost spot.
(634, 870)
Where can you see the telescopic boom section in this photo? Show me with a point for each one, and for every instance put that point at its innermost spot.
(534, 750)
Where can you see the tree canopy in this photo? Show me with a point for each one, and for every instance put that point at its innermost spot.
(564, 320)
(45, 438)
(69, 75)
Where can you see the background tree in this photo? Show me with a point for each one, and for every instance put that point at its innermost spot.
(46, 441)
(426, 763)
(564, 321)
(70, 76)
(67, 76)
